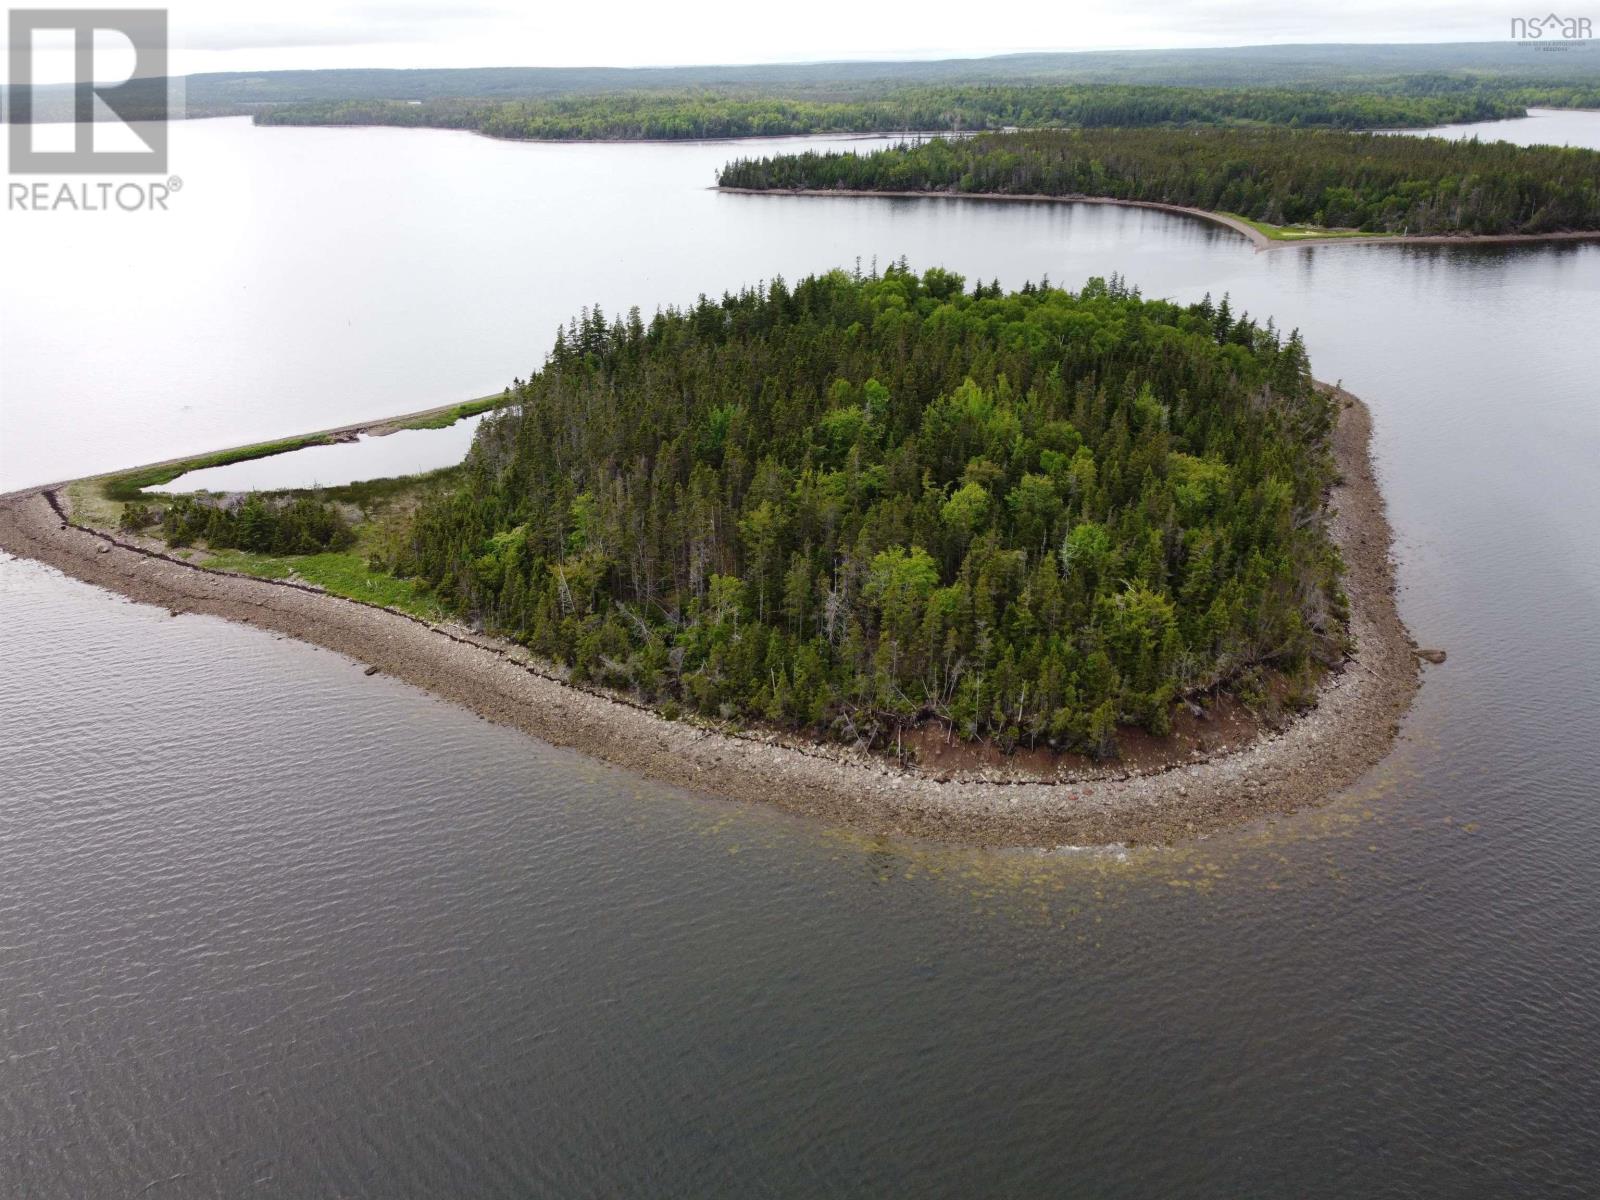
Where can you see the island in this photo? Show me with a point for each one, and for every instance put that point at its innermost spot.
(1031, 568)
(1277, 186)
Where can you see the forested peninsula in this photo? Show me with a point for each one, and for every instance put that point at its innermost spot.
(1318, 180)
(1023, 568)
(734, 113)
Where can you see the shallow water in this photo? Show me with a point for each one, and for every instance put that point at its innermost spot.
(267, 923)
(404, 452)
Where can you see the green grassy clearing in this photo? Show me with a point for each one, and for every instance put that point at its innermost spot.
(449, 416)
(342, 574)
(1299, 233)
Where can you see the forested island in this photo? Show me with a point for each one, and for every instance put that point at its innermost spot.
(862, 503)
(733, 113)
(866, 503)
(1324, 179)
(865, 547)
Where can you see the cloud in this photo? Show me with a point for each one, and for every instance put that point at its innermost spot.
(258, 35)
(296, 25)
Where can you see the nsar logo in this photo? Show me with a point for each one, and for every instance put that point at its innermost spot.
(1552, 30)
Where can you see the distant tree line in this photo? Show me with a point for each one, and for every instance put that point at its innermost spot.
(1504, 76)
(1399, 185)
(859, 503)
(723, 114)
(253, 522)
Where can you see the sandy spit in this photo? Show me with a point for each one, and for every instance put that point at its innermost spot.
(1256, 238)
(381, 427)
(1351, 728)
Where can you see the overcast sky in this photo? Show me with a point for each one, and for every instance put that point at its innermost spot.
(238, 35)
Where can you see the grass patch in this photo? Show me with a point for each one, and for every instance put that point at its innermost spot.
(447, 417)
(342, 574)
(368, 494)
(1299, 233)
(90, 506)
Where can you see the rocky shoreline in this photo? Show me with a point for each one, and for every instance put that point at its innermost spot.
(1253, 235)
(1351, 728)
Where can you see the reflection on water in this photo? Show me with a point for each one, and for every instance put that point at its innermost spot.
(379, 946)
(404, 452)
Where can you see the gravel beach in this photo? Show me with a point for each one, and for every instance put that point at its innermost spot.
(1253, 235)
(1351, 728)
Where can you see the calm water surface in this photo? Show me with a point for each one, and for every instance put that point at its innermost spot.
(1541, 127)
(269, 926)
(404, 452)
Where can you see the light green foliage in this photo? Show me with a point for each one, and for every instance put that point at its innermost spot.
(899, 583)
(1198, 484)
(504, 549)
(342, 574)
(967, 508)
